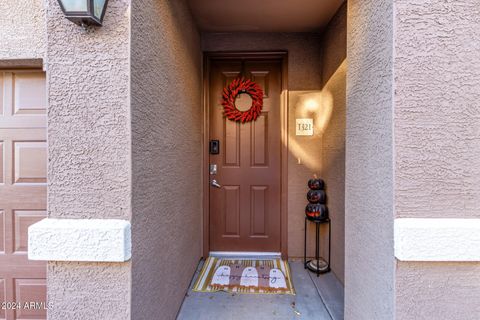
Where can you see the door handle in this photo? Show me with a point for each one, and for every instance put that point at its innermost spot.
(215, 184)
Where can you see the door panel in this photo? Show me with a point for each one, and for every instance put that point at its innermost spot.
(259, 143)
(231, 138)
(231, 211)
(259, 209)
(23, 177)
(245, 211)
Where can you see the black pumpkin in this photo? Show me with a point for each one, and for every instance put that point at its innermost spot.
(316, 184)
(316, 211)
(316, 196)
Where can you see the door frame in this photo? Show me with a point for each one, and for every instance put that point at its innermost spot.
(267, 55)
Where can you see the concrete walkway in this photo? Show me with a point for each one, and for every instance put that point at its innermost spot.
(317, 298)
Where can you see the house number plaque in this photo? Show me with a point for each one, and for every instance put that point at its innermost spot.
(304, 127)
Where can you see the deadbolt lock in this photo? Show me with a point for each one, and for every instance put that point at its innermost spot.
(213, 169)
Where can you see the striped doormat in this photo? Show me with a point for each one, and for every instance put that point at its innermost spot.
(245, 276)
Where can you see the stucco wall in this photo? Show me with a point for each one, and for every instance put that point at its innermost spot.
(334, 68)
(369, 263)
(437, 290)
(22, 29)
(89, 116)
(304, 77)
(81, 291)
(89, 153)
(437, 142)
(166, 154)
(437, 113)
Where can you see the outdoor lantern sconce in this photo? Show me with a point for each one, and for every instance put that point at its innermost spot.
(84, 12)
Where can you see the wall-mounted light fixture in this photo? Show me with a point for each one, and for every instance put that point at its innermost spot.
(84, 12)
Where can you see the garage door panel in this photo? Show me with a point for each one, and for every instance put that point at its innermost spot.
(15, 236)
(18, 134)
(24, 196)
(26, 122)
(2, 297)
(23, 267)
(30, 96)
(1, 92)
(2, 231)
(23, 100)
(23, 157)
(7, 163)
(23, 192)
(7, 97)
(30, 291)
(22, 220)
(2, 152)
(6, 257)
(30, 162)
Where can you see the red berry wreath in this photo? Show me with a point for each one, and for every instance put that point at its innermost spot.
(231, 92)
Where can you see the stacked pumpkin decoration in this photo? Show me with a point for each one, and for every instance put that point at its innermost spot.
(316, 196)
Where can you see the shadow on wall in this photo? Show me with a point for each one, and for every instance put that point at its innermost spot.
(166, 152)
(333, 163)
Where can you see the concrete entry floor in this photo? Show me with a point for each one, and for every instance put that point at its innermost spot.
(316, 298)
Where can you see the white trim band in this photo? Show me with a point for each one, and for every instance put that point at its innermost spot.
(432, 239)
(96, 240)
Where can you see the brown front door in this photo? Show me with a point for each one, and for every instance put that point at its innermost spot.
(23, 168)
(245, 210)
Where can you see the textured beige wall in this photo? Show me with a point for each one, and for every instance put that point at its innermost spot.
(437, 113)
(88, 291)
(304, 77)
(22, 29)
(437, 142)
(437, 290)
(166, 154)
(89, 116)
(334, 69)
(89, 153)
(369, 260)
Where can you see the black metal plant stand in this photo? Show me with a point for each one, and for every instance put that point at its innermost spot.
(310, 263)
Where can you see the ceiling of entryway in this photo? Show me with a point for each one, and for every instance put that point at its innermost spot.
(263, 15)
